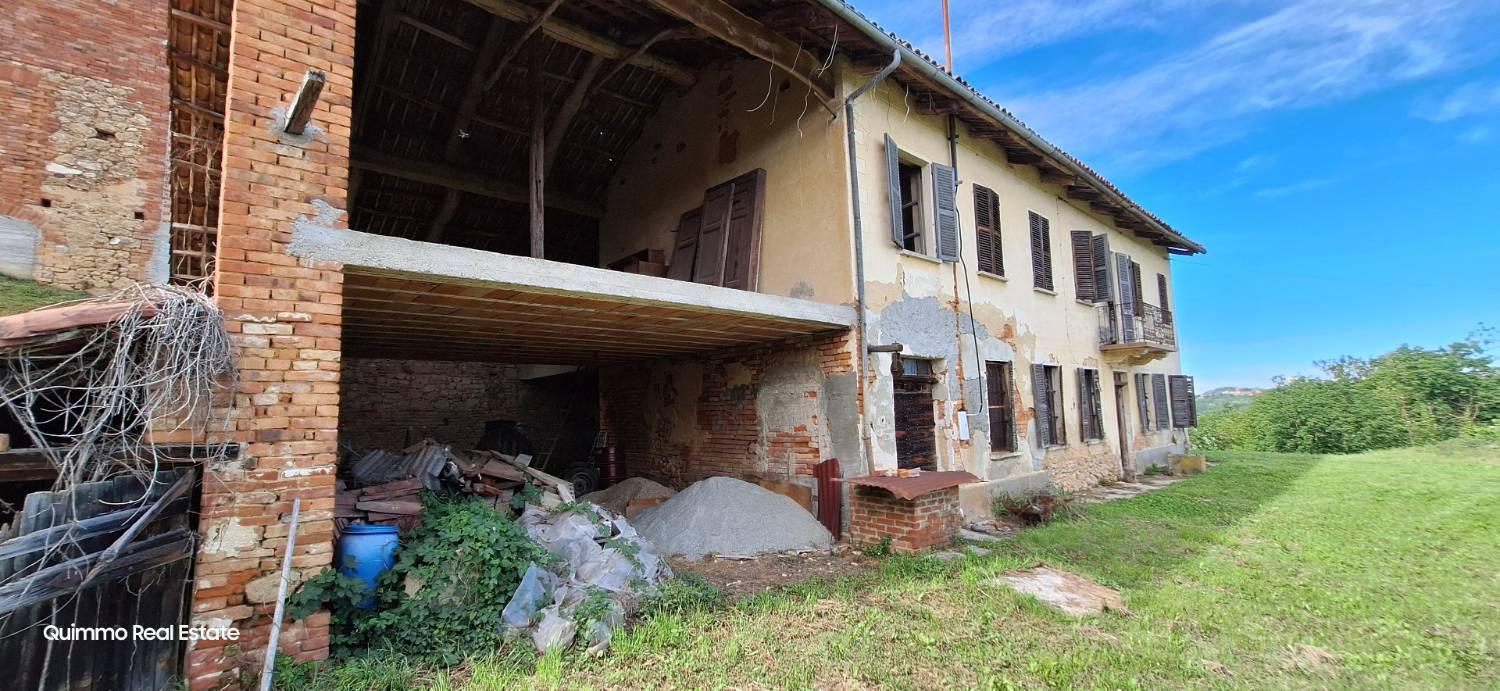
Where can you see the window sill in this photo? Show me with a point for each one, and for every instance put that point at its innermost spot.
(1096, 442)
(1004, 455)
(919, 255)
(1044, 291)
(993, 277)
(1086, 303)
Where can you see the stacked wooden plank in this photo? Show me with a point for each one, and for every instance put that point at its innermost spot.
(384, 487)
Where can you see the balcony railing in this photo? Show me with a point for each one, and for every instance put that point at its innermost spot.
(1149, 326)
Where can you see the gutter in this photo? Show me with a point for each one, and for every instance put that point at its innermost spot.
(921, 65)
(859, 247)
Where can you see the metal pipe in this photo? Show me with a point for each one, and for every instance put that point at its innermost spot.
(935, 73)
(859, 243)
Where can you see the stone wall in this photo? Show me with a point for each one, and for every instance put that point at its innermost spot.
(767, 411)
(385, 402)
(83, 143)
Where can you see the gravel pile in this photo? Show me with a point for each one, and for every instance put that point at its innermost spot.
(615, 498)
(725, 516)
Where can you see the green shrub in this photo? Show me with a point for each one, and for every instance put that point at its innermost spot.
(443, 598)
(685, 593)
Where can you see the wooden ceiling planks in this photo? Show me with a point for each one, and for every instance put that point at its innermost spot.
(400, 316)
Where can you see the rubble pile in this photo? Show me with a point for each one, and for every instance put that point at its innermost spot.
(630, 495)
(384, 487)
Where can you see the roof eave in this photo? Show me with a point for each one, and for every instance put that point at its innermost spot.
(1179, 244)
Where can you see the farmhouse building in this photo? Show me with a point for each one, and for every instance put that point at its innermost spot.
(718, 237)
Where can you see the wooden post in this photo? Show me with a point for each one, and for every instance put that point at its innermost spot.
(538, 148)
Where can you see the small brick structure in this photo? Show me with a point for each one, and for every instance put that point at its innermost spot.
(914, 524)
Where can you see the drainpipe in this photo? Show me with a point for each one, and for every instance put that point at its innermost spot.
(859, 248)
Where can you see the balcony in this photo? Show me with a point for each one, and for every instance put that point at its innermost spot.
(1136, 335)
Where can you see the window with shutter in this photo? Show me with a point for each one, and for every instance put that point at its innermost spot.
(1127, 298)
(1161, 296)
(1042, 402)
(945, 211)
(1090, 407)
(1104, 287)
(1001, 406)
(1041, 252)
(1184, 402)
(1143, 400)
(1159, 398)
(894, 190)
(1140, 293)
(1083, 265)
(1055, 405)
(987, 231)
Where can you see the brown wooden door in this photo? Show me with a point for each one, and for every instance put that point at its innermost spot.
(916, 435)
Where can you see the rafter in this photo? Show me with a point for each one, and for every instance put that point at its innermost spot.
(731, 26)
(366, 158)
(578, 37)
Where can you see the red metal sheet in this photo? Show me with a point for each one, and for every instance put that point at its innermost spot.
(830, 495)
(912, 487)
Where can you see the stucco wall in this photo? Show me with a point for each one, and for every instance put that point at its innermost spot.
(923, 304)
(714, 133)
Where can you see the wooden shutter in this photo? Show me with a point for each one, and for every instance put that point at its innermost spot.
(945, 202)
(713, 236)
(987, 231)
(1159, 398)
(1161, 296)
(893, 177)
(1085, 405)
(1127, 298)
(1083, 265)
(742, 259)
(1041, 252)
(1104, 285)
(685, 250)
(1001, 406)
(1140, 292)
(1142, 401)
(1040, 392)
(1184, 402)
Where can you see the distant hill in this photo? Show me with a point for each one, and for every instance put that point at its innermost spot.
(1226, 398)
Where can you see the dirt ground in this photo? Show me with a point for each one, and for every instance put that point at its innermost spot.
(740, 578)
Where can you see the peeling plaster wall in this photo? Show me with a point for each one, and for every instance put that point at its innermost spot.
(924, 305)
(768, 411)
(714, 133)
(83, 144)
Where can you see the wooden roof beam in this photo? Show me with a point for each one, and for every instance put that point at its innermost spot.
(366, 158)
(583, 39)
(731, 26)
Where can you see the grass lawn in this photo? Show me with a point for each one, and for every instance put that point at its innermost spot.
(1271, 571)
(18, 296)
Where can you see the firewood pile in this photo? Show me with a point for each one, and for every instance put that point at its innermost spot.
(384, 487)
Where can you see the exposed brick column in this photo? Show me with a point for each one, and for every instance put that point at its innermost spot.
(285, 317)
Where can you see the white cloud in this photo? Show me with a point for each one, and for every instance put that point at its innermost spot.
(1295, 188)
(1470, 99)
(1311, 53)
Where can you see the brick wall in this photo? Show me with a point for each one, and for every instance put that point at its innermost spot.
(913, 525)
(385, 401)
(285, 317)
(751, 412)
(83, 142)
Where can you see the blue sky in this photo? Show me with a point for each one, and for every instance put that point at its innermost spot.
(1341, 160)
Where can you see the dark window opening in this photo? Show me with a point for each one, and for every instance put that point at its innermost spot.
(1047, 388)
(1090, 406)
(911, 207)
(999, 389)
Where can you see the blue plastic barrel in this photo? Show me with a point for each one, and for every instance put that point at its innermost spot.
(365, 552)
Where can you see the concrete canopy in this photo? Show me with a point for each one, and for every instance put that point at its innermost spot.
(415, 300)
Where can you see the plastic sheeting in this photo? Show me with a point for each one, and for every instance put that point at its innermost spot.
(597, 552)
